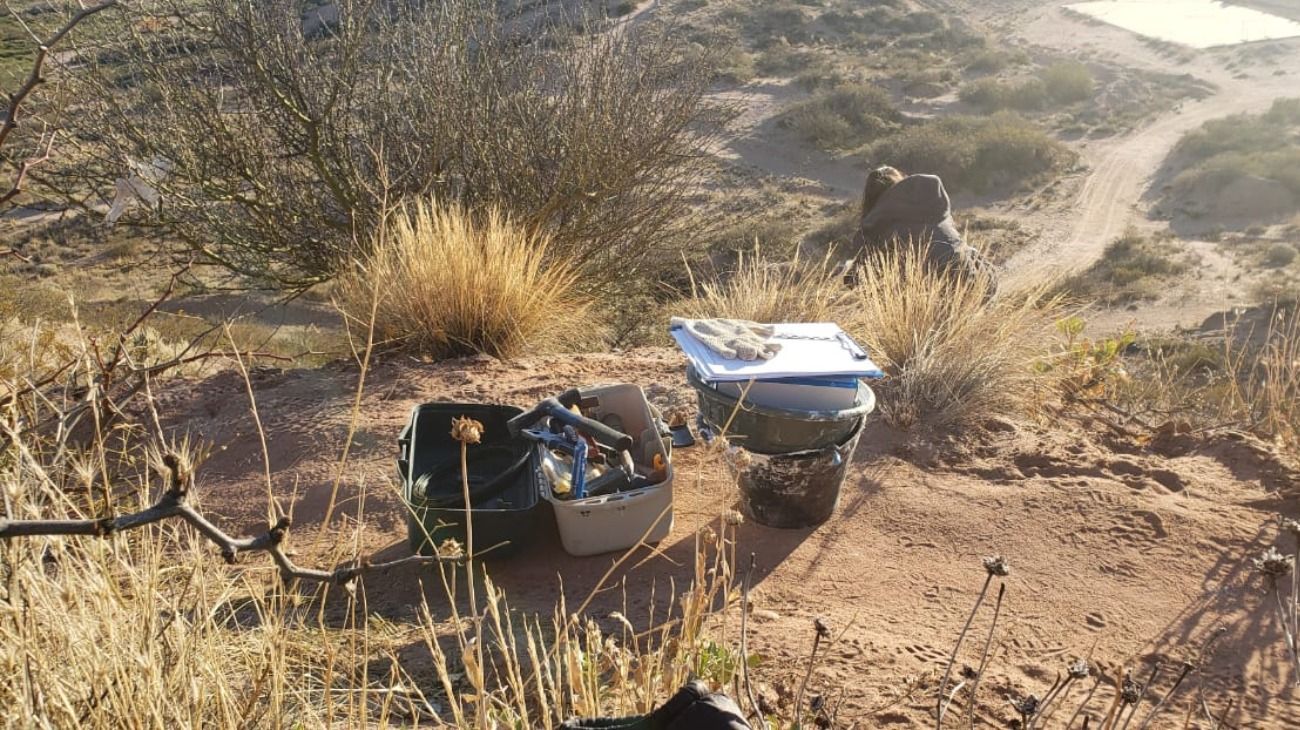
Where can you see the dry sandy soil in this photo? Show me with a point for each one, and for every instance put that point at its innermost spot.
(1126, 551)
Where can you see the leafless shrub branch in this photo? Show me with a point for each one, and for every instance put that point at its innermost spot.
(13, 113)
(174, 504)
(275, 135)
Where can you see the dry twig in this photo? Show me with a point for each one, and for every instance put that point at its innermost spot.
(35, 78)
(175, 503)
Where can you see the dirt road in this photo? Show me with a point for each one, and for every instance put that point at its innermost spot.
(1109, 198)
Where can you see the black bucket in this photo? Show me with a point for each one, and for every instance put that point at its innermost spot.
(794, 490)
(505, 487)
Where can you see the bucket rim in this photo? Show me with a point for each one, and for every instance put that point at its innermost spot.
(866, 396)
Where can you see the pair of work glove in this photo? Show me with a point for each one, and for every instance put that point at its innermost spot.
(734, 339)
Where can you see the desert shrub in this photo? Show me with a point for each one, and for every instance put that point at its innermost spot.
(990, 59)
(975, 153)
(1131, 268)
(782, 59)
(149, 626)
(773, 21)
(925, 82)
(443, 282)
(763, 289)
(1068, 82)
(1223, 168)
(1249, 137)
(819, 77)
(992, 95)
(734, 64)
(836, 232)
(1279, 255)
(286, 150)
(776, 234)
(953, 355)
(842, 118)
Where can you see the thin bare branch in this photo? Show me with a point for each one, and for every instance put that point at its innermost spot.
(174, 504)
(34, 78)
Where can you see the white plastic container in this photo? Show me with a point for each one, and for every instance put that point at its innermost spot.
(618, 521)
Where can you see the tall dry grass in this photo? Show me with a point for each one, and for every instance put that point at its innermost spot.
(763, 290)
(149, 628)
(954, 353)
(447, 283)
(1245, 377)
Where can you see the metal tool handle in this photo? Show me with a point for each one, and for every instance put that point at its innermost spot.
(556, 408)
(567, 399)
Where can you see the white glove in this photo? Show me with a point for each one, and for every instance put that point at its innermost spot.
(734, 339)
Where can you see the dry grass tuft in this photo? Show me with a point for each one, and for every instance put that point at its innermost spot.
(955, 355)
(447, 283)
(762, 290)
(1245, 377)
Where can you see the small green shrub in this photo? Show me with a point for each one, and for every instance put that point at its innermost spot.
(780, 59)
(975, 153)
(1068, 82)
(994, 95)
(1131, 269)
(772, 20)
(844, 117)
(1243, 133)
(987, 60)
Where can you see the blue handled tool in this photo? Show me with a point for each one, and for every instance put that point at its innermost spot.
(578, 478)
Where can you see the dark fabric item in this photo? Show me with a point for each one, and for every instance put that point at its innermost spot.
(917, 211)
(692, 708)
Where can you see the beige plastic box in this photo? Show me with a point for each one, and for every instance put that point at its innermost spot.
(618, 521)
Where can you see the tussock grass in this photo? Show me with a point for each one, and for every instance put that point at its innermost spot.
(954, 355)
(762, 290)
(149, 627)
(1245, 377)
(1133, 267)
(447, 283)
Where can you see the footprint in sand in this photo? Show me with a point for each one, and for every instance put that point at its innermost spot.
(926, 654)
(1094, 620)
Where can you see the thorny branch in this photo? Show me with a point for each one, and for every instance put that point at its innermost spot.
(175, 503)
(34, 79)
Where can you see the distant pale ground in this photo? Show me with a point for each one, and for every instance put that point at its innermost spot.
(1195, 23)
